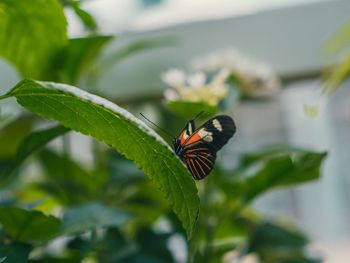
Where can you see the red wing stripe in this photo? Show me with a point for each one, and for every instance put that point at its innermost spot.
(191, 169)
(196, 149)
(206, 158)
(195, 168)
(203, 162)
(200, 167)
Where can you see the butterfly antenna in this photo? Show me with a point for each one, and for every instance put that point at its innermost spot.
(161, 129)
(199, 114)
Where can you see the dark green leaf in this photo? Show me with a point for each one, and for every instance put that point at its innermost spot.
(14, 253)
(31, 34)
(28, 145)
(276, 244)
(12, 135)
(114, 248)
(37, 139)
(26, 225)
(91, 216)
(107, 122)
(283, 170)
(85, 17)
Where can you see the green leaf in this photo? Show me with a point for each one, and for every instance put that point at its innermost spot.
(86, 18)
(26, 225)
(339, 74)
(37, 139)
(31, 34)
(12, 135)
(107, 122)
(277, 244)
(77, 58)
(14, 253)
(91, 216)
(339, 41)
(282, 170)
(28, 145)
(188, 110)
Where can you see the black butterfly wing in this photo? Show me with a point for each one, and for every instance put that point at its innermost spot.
(201, 146)
(199, 159)
(216, 132)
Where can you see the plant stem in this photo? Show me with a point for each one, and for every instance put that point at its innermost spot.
(209, 224)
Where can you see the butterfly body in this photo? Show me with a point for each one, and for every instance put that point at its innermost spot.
(197, 148)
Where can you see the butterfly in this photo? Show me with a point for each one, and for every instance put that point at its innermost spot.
(197, 148)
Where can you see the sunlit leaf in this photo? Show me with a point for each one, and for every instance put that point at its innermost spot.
(26, 225)
(340, 40)
(31, 34)
(115, 126)
(338, 75)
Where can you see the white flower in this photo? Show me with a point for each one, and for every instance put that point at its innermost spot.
(196, 80)
(195, 88)
(255, 78)
(174, 77)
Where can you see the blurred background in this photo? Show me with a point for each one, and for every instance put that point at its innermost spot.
(290, 37)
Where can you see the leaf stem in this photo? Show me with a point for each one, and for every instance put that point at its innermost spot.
(5, 96)
(209, 224)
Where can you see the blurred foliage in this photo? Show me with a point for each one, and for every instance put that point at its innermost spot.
(338, 44)
(28, 39)
(187, 110)
(56, 209)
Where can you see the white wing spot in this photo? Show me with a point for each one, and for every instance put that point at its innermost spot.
(205, 135)
(217, 125)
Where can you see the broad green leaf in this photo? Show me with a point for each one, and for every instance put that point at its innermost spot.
(107, 122)
(14, 253)
(23, 225)
(77, 58)
(31, 34)
(91, 216)
(251, 157)
(282, 170)
(188, 110)
(28, 145)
